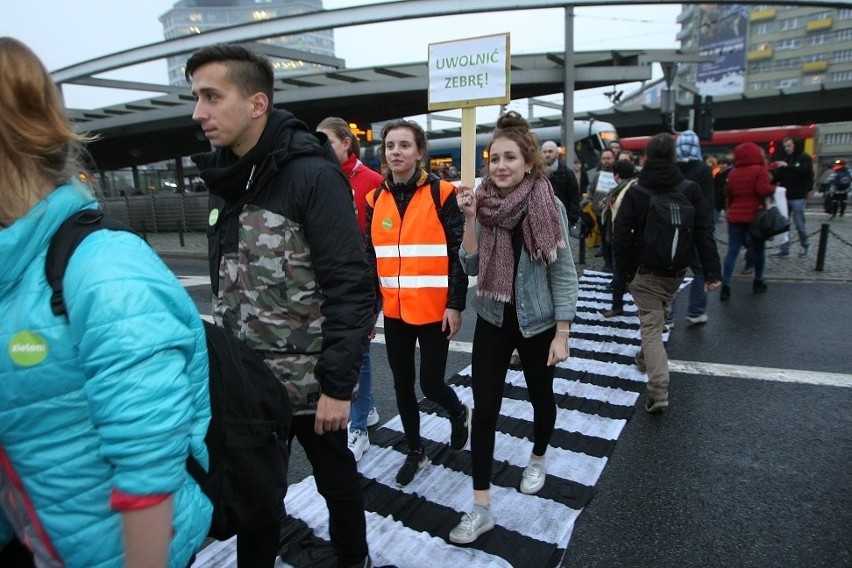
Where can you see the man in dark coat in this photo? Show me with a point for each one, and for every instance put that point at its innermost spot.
(652, 288)
(564, 182)
(794, 171)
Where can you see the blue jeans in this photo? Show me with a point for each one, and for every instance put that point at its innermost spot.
(364, 402)
(737, 238)
(697, 294)
(796, 208)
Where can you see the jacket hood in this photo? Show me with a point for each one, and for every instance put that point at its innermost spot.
(25, 241)
(660, 175)
(688, 147)
(748, 154)
(284, 138)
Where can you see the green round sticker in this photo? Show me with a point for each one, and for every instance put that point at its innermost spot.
(27, 348)
(214, 216)
(387, 224)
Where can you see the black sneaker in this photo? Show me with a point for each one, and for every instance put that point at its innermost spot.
(461, 429)
(725, 293)
(759, 286)
(414, 462)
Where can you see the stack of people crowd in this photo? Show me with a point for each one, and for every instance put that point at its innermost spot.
(101, 410)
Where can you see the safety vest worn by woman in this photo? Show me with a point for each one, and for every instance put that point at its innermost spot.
(411, 255)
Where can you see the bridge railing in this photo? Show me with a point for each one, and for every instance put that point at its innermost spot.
(160, 213)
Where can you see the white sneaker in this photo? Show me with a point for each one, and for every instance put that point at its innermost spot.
(472, 525)
(701, 318)
(373, 417)
(533, 477)
(359, 442)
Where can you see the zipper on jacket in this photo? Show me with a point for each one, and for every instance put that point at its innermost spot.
(251, 177)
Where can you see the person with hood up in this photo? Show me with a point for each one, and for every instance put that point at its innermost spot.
(652, 288)
(289, 272)
(693, 167)
(747, 189)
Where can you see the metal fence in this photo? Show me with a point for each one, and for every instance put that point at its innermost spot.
(160, 213)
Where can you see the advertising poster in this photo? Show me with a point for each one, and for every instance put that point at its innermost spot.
(722, 33)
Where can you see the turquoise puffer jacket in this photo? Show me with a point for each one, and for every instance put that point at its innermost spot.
(113, 399)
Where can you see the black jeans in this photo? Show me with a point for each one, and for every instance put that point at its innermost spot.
(492, 349)
(337, 481)
(400, 338)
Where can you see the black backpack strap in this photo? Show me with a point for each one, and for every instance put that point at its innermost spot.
(65, 241)
(436, 196)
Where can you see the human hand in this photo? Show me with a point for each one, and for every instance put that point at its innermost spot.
(466, 199)
(710, 286)
(451, 322)
(332, 414)
(559, 351)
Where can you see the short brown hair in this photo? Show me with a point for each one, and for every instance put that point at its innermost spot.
(251, 72)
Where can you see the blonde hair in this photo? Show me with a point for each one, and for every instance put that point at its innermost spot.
(38, 145)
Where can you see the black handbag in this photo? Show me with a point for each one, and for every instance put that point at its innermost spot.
(767, 223)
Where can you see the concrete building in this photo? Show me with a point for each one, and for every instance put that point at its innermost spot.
(188, 17)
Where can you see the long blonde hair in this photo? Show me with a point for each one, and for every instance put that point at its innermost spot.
(39, 148)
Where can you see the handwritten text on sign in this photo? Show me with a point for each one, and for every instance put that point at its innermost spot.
(468, 72)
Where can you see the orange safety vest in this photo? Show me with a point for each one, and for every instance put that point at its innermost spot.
(411, 255)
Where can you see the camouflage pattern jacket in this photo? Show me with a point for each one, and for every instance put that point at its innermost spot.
(287, 260)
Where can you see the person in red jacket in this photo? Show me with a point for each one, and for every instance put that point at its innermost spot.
(747, 187)
(363, 180)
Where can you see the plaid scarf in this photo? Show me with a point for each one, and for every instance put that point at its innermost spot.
(531, 204)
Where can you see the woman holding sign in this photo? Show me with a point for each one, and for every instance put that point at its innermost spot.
(515, 241)
(414, 231)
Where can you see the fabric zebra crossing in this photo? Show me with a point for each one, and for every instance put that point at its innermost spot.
(596, 393)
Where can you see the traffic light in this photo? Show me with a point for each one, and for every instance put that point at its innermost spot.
(704, 118)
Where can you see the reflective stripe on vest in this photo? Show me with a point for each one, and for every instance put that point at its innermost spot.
(411, 258)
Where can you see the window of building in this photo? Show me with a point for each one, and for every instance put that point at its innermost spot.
(760, 85)
(840, 76)
(844, 35)
(760, 67)
(791, 63)
(817, 57)
(844, 14)
(790, 24)
(817, 79)
(819, 16)
(842, 56)
(838, 138)
(763, 28)
(791, 43)
(786, 83)
(819, 39)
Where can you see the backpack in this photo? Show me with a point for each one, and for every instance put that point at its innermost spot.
(668, 239)
(247, 438)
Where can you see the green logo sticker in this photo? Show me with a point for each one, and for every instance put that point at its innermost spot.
(214, 216)
(387, 224)
(27, 348)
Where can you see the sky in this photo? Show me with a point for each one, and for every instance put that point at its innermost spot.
(66, 32)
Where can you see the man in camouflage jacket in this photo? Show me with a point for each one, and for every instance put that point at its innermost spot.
(287, 264)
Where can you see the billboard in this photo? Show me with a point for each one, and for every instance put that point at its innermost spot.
(722, 32)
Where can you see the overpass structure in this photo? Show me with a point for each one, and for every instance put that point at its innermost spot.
(160, 127)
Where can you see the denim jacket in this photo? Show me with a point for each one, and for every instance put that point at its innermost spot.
(544, 294)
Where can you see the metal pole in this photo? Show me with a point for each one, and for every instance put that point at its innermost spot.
(568, 89)
(823, 244)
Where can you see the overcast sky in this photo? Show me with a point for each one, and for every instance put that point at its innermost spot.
(65, 32)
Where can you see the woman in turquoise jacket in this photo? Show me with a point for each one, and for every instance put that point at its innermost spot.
(100, 410)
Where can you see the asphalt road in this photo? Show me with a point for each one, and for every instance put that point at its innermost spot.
(751, 464)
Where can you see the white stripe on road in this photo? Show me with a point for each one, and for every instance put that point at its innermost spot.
(721, 370)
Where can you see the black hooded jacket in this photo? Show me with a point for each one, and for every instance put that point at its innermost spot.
(287, 259)
(798, 175)
(629, 227)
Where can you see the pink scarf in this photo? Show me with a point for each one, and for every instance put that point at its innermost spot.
(531, 204)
